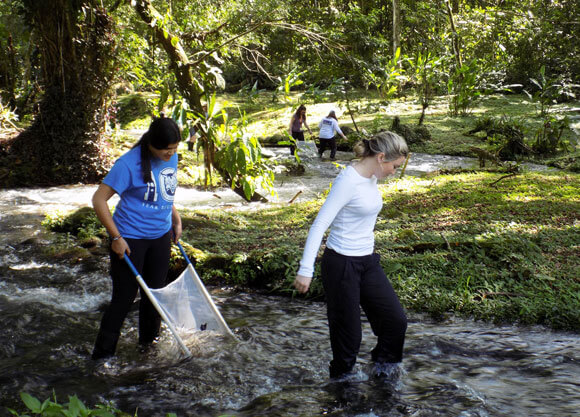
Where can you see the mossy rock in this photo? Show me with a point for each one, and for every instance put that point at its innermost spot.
(347, 130)
(274, 139)
(569, 163)
(346, 145)
(75, 221)
(412, 134)
(295, 169)
(132, 107)
(91, 242)
(70, 254)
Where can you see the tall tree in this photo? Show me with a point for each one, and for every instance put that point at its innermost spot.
(396, 25)
(76, 45)
(195, 53)
(455, 41)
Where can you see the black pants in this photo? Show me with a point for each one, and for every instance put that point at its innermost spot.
(327, 143)
(296, 136)
(354, 281)
(151, 258)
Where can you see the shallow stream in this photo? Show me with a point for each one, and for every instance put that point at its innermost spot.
(49, 316)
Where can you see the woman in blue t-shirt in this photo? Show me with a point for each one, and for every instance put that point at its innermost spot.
(143, 225)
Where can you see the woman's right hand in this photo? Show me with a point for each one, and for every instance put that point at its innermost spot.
(302, 283)
(120, 247)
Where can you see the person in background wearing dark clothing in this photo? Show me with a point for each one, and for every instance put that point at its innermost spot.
(352, 276)
(328, 126)
(142, 227)
(193, 131)
(296, 122)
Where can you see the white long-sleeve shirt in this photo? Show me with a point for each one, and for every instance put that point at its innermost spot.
(350, 210)
(328, 126)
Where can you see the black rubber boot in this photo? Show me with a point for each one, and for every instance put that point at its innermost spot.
(105, 345)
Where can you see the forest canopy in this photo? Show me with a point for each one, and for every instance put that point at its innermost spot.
(64, 63)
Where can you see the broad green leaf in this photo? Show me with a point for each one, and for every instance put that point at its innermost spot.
(31, 402)
(248, 189)
(76, 404)
(241, 160)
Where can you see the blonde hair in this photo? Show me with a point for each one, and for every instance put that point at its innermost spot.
(388, 143)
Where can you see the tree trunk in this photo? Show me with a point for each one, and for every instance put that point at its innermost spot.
(189, 87)
(454, 35)
(8, 71)
(396, 26)
(350, 111)
(63, 145)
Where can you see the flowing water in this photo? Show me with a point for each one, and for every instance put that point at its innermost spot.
(50, 312)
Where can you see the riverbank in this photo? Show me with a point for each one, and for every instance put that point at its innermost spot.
(474, 244)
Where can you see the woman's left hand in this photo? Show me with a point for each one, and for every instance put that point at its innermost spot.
(176, 224)
(176, 229)
(302, 283)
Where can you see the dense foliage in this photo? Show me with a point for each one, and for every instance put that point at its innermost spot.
(75, 51)
(184, 51)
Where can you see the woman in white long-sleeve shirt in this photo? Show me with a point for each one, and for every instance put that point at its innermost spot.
(328, 126)
(351, 272)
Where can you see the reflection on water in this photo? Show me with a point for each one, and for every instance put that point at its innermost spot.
(278, 366)
(49, 315)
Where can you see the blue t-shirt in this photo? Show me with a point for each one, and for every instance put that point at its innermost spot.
(144, 210)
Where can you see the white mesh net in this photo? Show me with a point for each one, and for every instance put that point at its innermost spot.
(188, 306)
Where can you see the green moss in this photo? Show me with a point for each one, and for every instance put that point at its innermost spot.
(82, 223)
(449, 244)
(471, 243)
(133, 109)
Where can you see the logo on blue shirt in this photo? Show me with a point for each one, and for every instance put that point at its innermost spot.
(168, 183)
(167, 186)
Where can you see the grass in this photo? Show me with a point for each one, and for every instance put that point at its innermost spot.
(473, 243)
(450, 243)
(449, 135)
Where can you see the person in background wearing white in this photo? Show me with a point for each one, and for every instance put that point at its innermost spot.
(328, 127)
(352, 276)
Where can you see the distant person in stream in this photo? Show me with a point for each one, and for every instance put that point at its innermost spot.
(352, 276)
(143, 225)
(296, 122)
(328, 127)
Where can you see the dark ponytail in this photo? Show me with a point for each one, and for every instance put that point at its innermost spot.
(162, 132)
